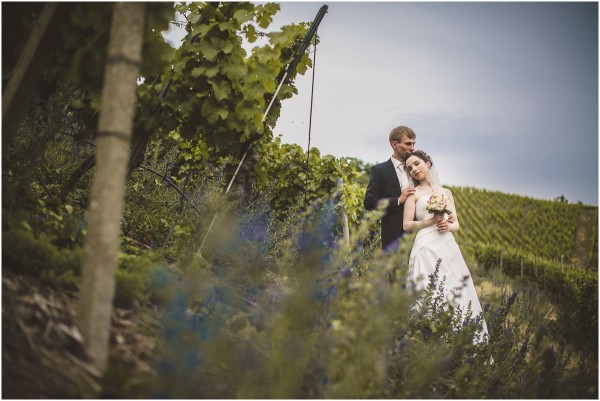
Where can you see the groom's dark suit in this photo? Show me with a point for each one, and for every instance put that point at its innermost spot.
(384, 184)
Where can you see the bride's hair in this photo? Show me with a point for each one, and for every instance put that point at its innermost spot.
(420, 154)
(434, 178)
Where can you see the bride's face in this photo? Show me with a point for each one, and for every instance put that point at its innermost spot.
(417, 167)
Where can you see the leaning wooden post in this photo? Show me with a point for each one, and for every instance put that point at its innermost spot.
(17, 95)
(106, 199)
(343, 215)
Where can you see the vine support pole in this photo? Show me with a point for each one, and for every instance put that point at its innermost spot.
(343, 215)
(288, 72)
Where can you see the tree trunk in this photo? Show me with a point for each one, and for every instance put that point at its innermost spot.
(106, 200)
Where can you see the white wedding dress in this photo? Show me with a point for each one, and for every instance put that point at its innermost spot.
(431, 245)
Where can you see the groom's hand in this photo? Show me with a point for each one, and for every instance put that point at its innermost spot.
(405, 194)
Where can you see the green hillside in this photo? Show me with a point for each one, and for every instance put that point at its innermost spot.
(552, 230)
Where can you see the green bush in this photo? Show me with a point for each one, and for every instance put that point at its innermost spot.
(25, 254)
(134, 277)
(303, 323)
(574, 290)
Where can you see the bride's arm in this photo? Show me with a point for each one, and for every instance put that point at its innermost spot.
(409, 223)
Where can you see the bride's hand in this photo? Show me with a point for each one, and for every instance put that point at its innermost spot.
(438, 218)
(442, 224)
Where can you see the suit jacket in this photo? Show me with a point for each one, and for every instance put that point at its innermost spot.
(384, 184)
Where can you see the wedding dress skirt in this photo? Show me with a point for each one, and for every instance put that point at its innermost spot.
(431, 245)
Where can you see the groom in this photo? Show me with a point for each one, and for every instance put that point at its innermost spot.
(389, 180)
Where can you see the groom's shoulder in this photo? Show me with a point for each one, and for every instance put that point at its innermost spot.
(381, 165)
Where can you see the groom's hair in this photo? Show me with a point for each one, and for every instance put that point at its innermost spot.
(397, 133)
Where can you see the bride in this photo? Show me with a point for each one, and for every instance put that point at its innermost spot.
(435, 241)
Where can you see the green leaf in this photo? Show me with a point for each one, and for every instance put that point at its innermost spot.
(198, 71)
(234, 68)
(282, 38)
(213, 112)
(264, 14)
(202, 29)
(242, 16)
(251, 34)
(222, 45)
(208, 50)
(221, 88)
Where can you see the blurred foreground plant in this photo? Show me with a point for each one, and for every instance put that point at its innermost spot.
(287, 311)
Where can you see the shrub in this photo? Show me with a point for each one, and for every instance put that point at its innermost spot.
(25, 254)
(304, 324)
(134, 276)
(574, 290)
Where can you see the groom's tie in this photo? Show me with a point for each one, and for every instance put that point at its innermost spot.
(402, 175)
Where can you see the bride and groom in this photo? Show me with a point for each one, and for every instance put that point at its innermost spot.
(407, 182)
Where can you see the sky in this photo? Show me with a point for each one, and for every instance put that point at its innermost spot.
(502, 95)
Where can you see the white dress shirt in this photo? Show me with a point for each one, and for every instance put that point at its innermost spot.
(401, 172)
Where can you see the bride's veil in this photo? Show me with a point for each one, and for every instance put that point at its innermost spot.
(434, 179)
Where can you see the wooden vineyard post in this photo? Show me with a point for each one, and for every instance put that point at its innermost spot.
(343, 215)
(521, 268)
(106, 200)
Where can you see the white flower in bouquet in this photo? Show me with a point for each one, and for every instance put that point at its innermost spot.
(438, 203)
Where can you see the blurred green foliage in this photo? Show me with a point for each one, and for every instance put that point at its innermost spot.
(242, 324)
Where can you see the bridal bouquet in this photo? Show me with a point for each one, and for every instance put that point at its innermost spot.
(438, 203)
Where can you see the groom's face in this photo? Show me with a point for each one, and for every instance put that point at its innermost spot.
(403, 147)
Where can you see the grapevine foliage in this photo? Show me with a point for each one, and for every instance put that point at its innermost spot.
(218, 92)
(283, 168)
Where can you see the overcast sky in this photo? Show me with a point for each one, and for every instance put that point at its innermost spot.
(503, 96)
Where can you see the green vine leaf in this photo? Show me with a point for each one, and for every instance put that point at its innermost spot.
(221, 89)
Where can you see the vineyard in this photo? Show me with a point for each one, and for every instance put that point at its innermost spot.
(541, 228)
(256, 292)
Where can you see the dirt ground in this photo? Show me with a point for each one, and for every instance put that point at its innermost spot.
(42, 352)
